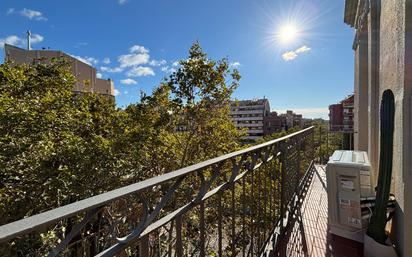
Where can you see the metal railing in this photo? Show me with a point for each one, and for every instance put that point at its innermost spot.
(232, 205)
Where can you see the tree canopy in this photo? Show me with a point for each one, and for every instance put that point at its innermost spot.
(57, 146)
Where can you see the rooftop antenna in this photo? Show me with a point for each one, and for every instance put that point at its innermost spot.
(28, 40)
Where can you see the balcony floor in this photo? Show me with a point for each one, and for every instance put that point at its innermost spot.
(307, 235)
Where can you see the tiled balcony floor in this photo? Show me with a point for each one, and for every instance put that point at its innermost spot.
(308, 235)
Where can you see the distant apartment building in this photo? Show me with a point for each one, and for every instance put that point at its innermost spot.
(292, 120)
(335, 117)
(341, 115)
(347, 107)
(85, 73)
(273, 123)
(250, 114)
(341, 120)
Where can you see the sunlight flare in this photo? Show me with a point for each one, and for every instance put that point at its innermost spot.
(288, 33)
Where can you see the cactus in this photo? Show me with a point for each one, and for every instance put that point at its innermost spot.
(377, 224)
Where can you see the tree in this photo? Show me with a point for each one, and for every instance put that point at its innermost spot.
(57, 147)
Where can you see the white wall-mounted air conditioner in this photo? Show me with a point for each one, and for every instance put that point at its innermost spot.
(348, 180)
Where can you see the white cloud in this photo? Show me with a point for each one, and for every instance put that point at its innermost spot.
(116, 92)
(312, 113)
(88, 60)
(121, 2)
(126, 92)
(111, 70)
(11, 40)
(291, 55)
(36, 38)
(157, 62)
(28, 13)
(99, 75)
(139, 49)
(175, 63)
(303, 49)
(168, 69)
(140, 71)
(106, 60)
(288, 56)
(20, 42)
(128, 60)
(234, 65)
(128, 81)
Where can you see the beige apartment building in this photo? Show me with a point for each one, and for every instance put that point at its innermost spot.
(85, 73)
(383, 63)
(250, 114)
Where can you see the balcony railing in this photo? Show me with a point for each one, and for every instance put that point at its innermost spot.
(233, 205)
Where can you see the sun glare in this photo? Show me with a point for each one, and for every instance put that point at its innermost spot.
(287, 33)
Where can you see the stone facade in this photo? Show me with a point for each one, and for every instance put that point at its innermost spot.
(85, 73)
(383, 61)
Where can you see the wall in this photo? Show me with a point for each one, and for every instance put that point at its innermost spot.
(393, 75)
(85, 74)
(361, 92)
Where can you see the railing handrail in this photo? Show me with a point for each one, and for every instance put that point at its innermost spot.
(38, 221)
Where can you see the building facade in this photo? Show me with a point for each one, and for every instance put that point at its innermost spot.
(383, 63)
(341, 115)
(85, 73)
(347, 108)
(335, 117)
(292, 120)
(250, 114)
(273, 123)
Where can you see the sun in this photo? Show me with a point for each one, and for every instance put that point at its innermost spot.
(288, 33)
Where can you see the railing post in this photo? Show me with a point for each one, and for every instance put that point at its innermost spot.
(179, 243)
(327, 144)
(298, 173)
(219, 224)
(320, 145)
(144, 246)
(313, 144)
(202, 229)
(283, 186)
(244, 217)
(233, 207)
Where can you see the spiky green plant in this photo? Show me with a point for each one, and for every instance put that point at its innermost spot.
(376, 228)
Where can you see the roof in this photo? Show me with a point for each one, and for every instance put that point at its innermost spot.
(351, 7)
(250, 102)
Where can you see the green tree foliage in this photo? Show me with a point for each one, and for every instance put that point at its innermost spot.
(58, 147)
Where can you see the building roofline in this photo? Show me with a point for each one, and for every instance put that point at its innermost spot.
(351, 7)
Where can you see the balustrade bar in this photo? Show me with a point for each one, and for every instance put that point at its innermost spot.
(238, 207)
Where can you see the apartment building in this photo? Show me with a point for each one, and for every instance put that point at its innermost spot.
(335, 117)
(273, 123)
(347, 108)
(292, 120)
(250, 114)
(85, 73)
(341, 115)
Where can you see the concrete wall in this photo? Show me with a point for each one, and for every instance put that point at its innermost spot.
(394, 74)
(104, 86)
(361, 92)
(389, 56)
(373, 87)
(85, 74)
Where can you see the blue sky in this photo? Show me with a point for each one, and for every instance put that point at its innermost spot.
(137, 42)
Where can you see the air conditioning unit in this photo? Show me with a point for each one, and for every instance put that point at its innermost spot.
(348, 181)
